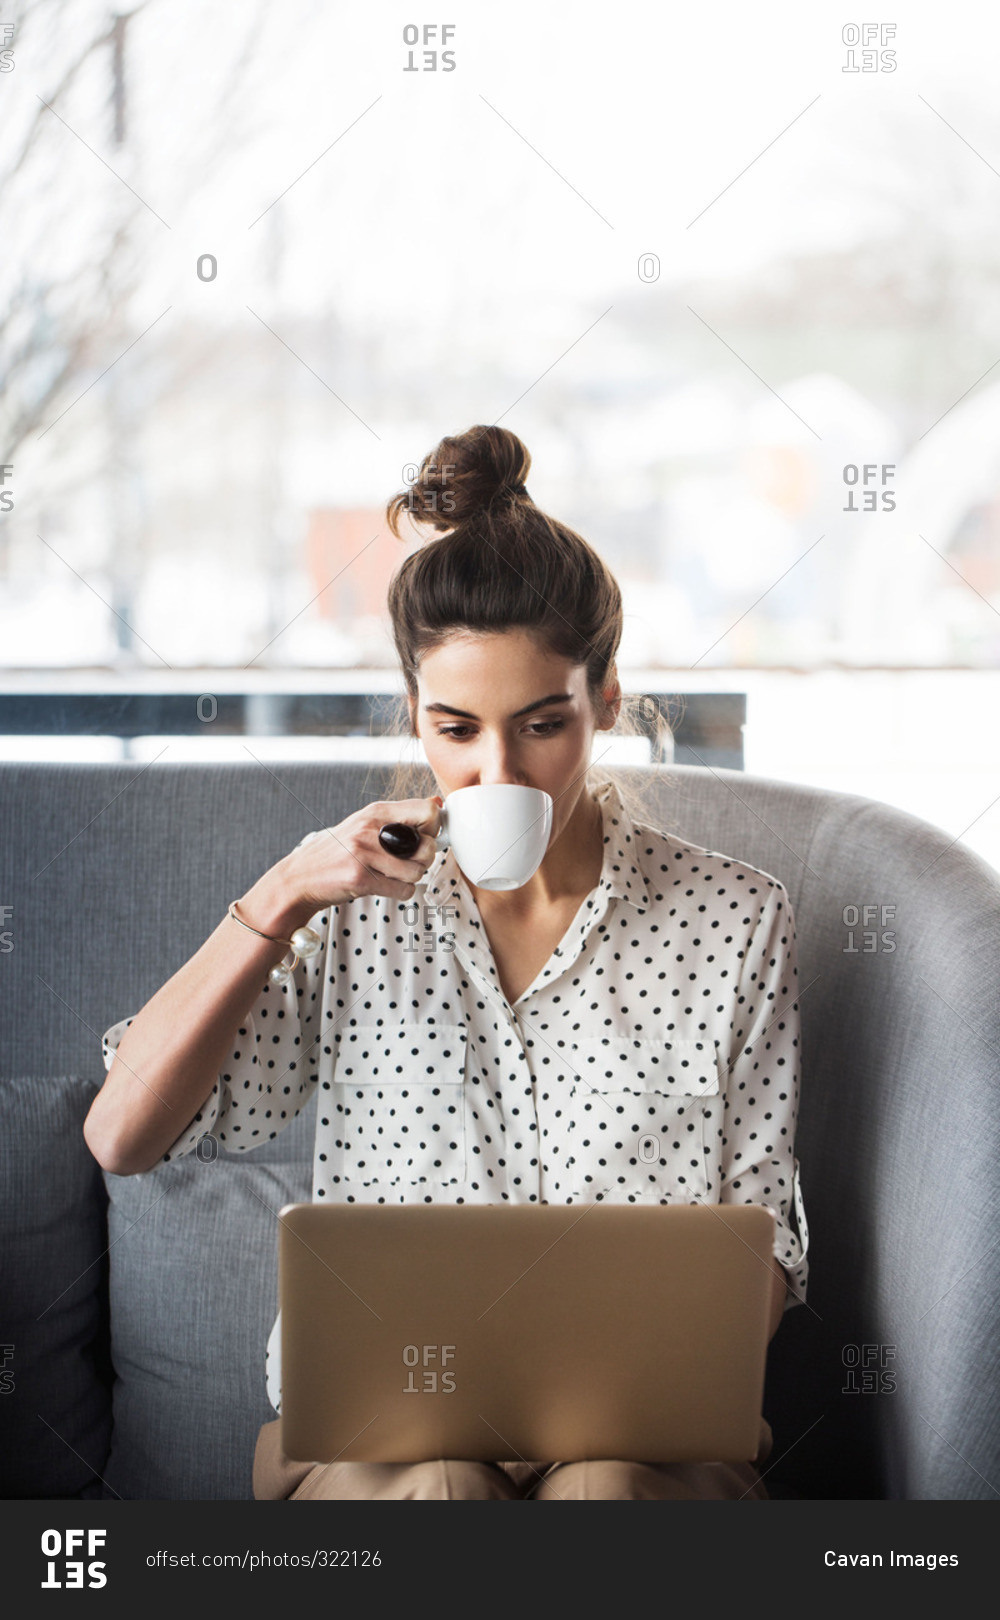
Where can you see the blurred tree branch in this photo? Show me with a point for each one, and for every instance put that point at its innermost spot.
(60, 322)
(68, 77)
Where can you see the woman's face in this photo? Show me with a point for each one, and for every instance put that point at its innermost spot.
(499, 708)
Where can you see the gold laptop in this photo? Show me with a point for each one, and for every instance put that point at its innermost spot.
(500, 1332)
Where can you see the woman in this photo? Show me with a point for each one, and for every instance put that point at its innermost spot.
(506, 627)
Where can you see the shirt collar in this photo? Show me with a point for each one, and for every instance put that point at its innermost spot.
(621, 874)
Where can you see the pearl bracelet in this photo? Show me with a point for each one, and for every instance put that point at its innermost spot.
(305, 942)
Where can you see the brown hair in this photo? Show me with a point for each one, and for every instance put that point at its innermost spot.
(503, 564)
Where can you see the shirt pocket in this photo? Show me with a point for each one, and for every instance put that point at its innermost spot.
(399, 1105)
(642, 1118)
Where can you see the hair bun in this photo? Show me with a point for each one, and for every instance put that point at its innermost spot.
(463, 477)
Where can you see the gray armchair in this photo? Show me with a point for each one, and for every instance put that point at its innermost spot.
(135, 1310)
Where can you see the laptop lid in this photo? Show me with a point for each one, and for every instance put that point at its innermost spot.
(540, 1332)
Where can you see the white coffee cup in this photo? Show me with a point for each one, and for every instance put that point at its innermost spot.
(498, 831)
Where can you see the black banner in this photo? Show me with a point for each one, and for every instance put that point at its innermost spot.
(197, 1553)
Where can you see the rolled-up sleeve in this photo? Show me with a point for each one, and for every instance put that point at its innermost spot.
(268, 1076)
(762, 1089)
(270, 1073)
(204, 1119)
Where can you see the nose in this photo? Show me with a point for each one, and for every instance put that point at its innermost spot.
(499, 765)
(498, 778)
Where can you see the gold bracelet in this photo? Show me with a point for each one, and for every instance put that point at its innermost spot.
(305, 943)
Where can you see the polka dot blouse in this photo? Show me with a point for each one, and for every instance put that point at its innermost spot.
(654, 1058)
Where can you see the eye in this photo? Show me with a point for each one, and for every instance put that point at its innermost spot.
(538, 728)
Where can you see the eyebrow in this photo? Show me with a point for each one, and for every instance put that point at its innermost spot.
(553, 697)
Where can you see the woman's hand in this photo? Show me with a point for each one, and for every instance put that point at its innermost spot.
(347, 861)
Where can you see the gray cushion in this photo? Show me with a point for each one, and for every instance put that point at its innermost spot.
(194, 1251)
(56, 1417)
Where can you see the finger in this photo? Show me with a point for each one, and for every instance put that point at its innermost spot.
(390, 888)
(422, 813)
(400, 868)
(381, 867)
(373, 856)
(425, 851)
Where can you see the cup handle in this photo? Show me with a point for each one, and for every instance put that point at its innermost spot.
(442, 837)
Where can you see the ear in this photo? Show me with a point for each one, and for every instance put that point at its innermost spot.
(612, 695)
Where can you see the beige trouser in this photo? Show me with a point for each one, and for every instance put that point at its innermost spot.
(277, 1477)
